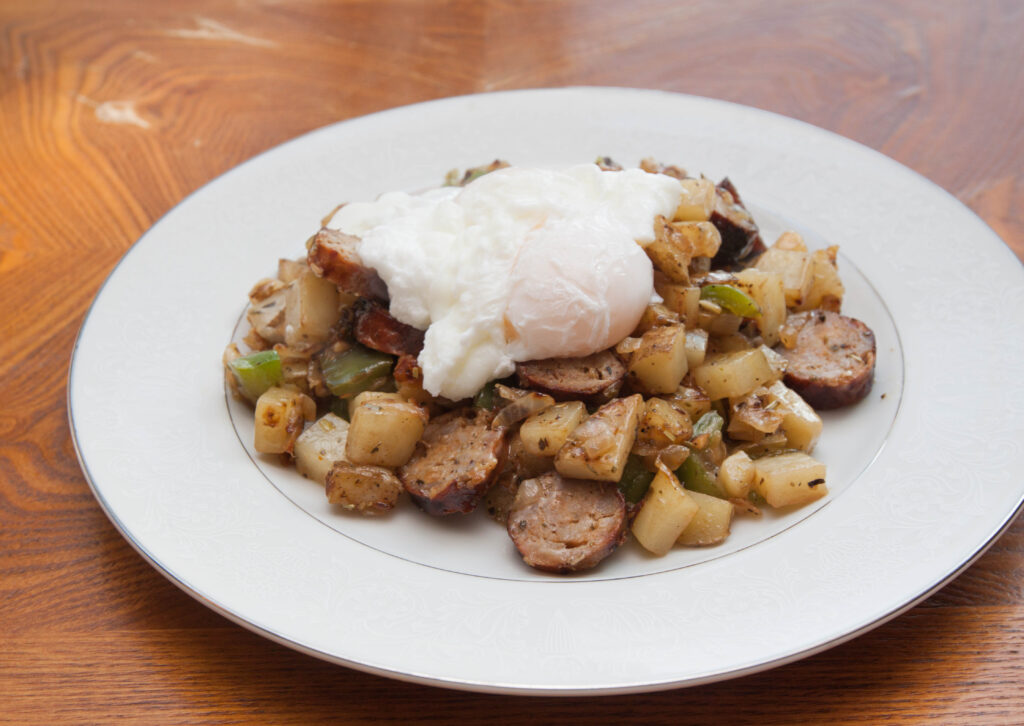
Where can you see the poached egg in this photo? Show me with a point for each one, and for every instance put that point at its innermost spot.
(520, 264)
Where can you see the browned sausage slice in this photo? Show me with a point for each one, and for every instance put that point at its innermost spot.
(564, 525)
(455, 462)
(832, 363)
(740, 235)
(593, 376)
(332, 255)
(375, 328)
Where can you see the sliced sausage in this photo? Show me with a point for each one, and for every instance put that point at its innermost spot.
(455, 462)
(375, 328)
(597, 376)
(332, 255)
(740, 235)
(832, 363)
(565, 525)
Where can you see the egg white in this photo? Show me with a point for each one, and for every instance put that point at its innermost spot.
(521, 264)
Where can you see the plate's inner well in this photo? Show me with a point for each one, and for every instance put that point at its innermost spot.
(476, 545)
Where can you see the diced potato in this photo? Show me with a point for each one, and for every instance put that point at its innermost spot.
(312, 309)
(546, 431)
(793, 267)
(826, 290)
(727, 344)
(661, 425)
(319, 446)
(655, 315)
(598, 447)
(666, 511)
(279, 417)
(384, 432)
(777, 362)
(702, 239)
(789, 479)
(766, 289)
(696, 347)
(669, 252)
(800, 423)
(375, 396)
(681, 299)
(710, 525)
(731, 375)
(736, 475)
(659, 364)
(691, 302)
(790, 240)
(366, 489)
(672, 294)
(698, 200)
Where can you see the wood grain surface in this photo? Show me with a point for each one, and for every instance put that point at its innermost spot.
(112, 112)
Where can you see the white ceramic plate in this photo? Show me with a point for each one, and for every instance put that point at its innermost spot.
(924, 474)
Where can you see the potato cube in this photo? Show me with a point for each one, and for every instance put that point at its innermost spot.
(731, 375)
(683, 300)
(710, 525)
(655, 315)
(279, 417)
(661, 425)
(666, 511)
(736, 475)
(659, 364)
(793, 267)
(375, 396)
(727, 344)
(312, 310)
(789, 479)
(696, 347)
(597, 449)
(669, 252)
(366, 489)
(698, 200)
(790, 240)
(776, 362)
(545, 432)
(767, 291)
(701, 239)
(319, 446)
(800, 423)
(826, 290)
(384, 432)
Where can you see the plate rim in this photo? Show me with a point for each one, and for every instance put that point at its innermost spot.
(469, 684)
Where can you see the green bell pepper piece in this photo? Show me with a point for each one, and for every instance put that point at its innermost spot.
(636, 479)
(257, 372)
(355, 370)
(731, 299)
(694, 476)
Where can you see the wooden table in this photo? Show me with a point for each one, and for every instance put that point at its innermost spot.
(111, 112)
